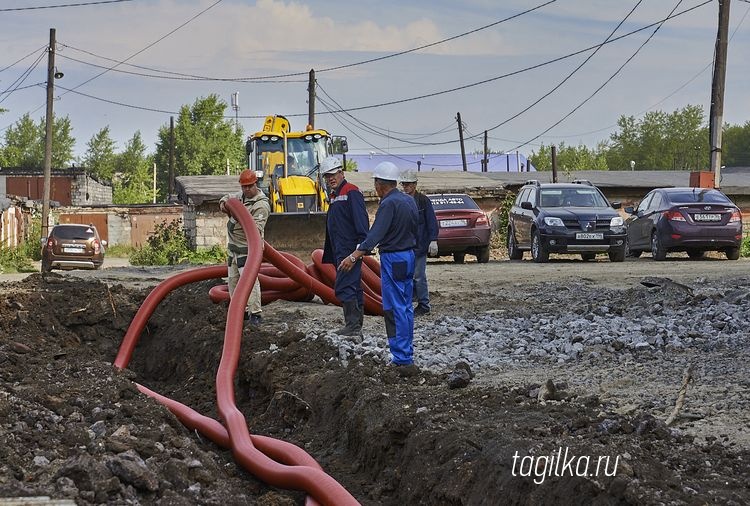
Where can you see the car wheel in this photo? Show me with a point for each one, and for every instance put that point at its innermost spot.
(695, 254)
(539, 253)
(732, 253)
(458, 258)
(632, 253)
(658, 252)
(616, 255)
(513, 252)
(483, 254)
(46, 266)
(588, 256)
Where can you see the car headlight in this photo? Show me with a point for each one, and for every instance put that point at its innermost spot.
(616, 222)
(551, 221)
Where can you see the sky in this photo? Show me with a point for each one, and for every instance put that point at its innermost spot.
(505, 70)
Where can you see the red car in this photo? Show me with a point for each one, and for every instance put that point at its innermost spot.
(463, 227)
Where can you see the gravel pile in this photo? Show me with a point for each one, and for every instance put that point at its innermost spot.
(562, 325)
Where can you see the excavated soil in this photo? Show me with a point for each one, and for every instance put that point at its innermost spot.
(72, 427)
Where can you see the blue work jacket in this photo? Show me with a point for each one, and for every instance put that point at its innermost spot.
(395, 225)
(347, 223)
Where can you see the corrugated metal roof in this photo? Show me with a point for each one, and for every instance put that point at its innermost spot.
(198, 189)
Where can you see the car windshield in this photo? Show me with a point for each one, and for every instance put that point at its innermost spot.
(73, 233)
(445, 202)
(571, 197)
(698, 195)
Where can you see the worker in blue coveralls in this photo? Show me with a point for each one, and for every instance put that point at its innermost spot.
(347, 224)
(427, 234)
(394, 232)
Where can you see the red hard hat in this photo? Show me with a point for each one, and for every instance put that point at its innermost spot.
(248, 177)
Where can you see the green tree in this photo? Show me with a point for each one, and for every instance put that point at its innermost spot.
(133, 183)
(204, 141)
(100, 156)
(736, 145)
(24, 143)
(660, 141)
(570, 158)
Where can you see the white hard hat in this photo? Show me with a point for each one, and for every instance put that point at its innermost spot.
(387, 171)
(330, 165)
(409, 176)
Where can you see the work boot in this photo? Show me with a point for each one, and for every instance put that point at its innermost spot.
(421, 310)
(254, 320)
(352, 315)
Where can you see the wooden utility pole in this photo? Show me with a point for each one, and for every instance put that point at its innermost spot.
(486, 154)
(311, 99)
(554, 164)
(170, 183)
(48, 134)
(461, 139)
(717, 91)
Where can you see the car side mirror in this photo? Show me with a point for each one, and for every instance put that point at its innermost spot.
(630, 210)
(527, 205)
(616, 205)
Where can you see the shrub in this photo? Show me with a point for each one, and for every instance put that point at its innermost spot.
(745, 248)
(15, 260)
(169, 245)
(499, 221)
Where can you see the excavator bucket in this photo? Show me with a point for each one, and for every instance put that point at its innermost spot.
(296, 233)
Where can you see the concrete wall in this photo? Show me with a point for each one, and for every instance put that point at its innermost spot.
(86, 191)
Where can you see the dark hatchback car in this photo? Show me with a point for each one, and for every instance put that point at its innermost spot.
(463, 227)
(564, 218)
(693, 220)
(73, 246)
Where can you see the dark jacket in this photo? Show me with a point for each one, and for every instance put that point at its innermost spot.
(395, 225)
(427, 228)
(347, 223)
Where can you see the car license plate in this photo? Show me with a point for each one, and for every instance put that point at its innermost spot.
(707, 217)
(72, 250)
(588, 236)
(452, 223)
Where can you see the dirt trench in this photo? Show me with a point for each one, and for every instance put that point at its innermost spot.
(73, 427)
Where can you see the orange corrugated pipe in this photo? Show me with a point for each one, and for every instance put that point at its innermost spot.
(312, 480)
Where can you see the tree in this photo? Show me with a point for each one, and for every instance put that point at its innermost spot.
(204, 141)
(100, 155)
(24, 143)
(661, 141)
(133, 183)
(570, 158)
(736, 145)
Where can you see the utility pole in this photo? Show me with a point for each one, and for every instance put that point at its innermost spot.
(461, 139)
(170, 183)
(236, 107)
(48, 134)
(486, 158)
(554, 164)
(311, 99)
(717, 91)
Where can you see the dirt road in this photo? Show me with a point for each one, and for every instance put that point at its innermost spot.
(571, 356)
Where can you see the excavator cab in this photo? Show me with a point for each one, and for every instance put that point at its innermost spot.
(287, 164)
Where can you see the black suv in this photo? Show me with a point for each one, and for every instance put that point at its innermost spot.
(564, 218)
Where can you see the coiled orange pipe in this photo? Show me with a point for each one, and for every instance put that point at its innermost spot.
(311, 479)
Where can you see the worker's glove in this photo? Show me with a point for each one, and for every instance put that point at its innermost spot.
(432, 250)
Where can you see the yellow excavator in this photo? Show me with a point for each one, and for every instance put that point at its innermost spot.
(287, 164)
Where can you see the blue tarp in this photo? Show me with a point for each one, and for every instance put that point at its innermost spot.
(428, 163)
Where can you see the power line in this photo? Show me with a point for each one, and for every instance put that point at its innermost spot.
(20, 79)
(526, 69)
(22, 59)
(79, 4)
(643, 111)
(151, 44)
(604, 83)
(328, 69)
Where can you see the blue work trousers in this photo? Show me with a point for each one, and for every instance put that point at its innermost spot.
(348, 284)
(421, 293)
(397, 283)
